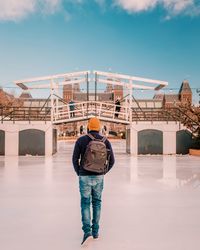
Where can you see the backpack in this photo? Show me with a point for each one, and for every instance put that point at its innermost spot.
(96, 156)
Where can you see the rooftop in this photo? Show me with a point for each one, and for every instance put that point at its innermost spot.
(185, 87)
(171, 97)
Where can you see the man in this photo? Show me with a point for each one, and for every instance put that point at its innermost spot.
(72, 108)
(117, 108)
(90, 183)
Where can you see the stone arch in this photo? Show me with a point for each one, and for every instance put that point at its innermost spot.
(32, 142)
(150, 141)
(2, 142)
(183, 141)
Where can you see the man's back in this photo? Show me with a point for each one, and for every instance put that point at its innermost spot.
(79, 152)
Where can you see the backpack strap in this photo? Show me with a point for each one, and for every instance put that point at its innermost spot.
(92, 137)
(103, 139)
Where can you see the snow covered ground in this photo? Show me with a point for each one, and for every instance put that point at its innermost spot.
(149, 203)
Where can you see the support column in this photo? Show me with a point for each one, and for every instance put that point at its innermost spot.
(169, 142)
(57, 94)
(131, 141)
(52, 100)
(49, 141)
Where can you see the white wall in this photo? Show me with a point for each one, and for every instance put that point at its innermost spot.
(169, 135)
(12, 135)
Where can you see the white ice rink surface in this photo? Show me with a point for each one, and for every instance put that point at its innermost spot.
(149, 203)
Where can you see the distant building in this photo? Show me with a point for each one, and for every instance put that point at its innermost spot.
(185, 93)
(73, 92)
(25, 95)
(184, 96)
(118, 92)
(67, 92)
(171, 100)
(158, 97)
(110, 94)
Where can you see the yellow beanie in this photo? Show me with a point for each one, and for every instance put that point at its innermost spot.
(94, 124)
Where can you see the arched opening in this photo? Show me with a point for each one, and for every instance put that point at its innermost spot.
(32, 142)
(150, 141)
(183, 141)
(2, 142)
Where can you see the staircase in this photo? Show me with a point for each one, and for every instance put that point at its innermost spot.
(189, 117)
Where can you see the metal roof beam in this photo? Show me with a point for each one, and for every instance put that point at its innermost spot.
(126, 84)
(132, 78)
(21, 85)
(46, 78)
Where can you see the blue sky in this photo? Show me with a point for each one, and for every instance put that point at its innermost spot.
(159, 39)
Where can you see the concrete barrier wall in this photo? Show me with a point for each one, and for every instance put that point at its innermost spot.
(142, 142)
(13, 133)
(142, 138)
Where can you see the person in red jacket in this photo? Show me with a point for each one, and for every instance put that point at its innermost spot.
(90, 183)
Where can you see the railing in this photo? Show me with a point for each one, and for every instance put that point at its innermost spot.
(168, 114)
(151, 114)
(181, 115)
(84, 109)
(108, 111)
(25, 114)
(105, 110)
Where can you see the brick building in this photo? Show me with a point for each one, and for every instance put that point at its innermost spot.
(184, 96)
(73, 92)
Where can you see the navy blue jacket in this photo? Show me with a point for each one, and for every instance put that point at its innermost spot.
(79, 151)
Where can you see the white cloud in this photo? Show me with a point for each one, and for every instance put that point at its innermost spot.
(177, 6)
(18, 9)
(136, 5)
(15, 9)
(173, 7)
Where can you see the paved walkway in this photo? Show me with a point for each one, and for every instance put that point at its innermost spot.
(149, 203)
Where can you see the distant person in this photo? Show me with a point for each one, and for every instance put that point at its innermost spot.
(81, 129)
(92, 159)
(104, 130)
(117, 108)
(72, 108)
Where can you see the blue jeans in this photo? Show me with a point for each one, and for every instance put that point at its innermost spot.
(91, 187)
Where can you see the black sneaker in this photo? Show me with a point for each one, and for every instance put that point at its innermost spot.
(95, 236)
(86, 238)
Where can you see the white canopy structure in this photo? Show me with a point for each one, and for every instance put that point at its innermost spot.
(54, 80)
(82, 76)
(97, 77)
(128, 81)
